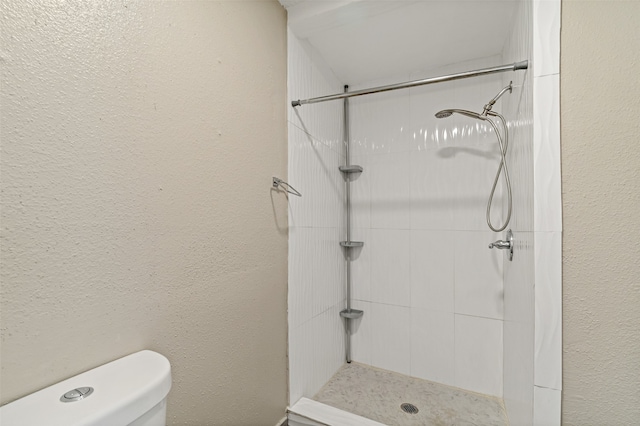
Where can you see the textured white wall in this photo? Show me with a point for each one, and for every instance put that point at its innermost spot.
(138, 144)
(601, 197)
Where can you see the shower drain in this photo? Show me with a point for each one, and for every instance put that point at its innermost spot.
(409, 408)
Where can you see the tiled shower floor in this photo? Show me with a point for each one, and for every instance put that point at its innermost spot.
(378, 394)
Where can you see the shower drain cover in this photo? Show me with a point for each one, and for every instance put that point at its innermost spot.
(409, 408)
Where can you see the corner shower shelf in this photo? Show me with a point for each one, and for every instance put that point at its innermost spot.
(351, 169)
(351, 244)
(351, 313)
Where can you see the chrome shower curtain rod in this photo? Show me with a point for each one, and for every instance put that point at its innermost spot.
(523, 65)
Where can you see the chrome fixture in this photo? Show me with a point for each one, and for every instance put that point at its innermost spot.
(279, 184)
(505, 244)
(503, 152)
(523, 65)
(349, 170)
(488, 106)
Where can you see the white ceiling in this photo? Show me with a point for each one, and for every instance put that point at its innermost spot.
(364, 40)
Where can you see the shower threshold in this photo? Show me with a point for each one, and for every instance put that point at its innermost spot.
(379, 395)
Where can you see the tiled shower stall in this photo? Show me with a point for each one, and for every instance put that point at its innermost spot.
(438, 304)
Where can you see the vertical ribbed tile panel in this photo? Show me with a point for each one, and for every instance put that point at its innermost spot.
(478, 276)
(547, 406)
(433, 345)
(547, 212)
(390, 337)
(478, 354)
(390, 266)
(518, 372)
(546, 37)
(361, 264)
(362, 334)
(316, 262)
(433, 270)
(301, 291)
(546, 148)
(519, 274)
(316, 351)
(548, 310)
(361, 192)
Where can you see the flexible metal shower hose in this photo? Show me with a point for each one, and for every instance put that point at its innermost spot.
(503, 164)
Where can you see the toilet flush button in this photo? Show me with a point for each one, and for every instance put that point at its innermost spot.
(85, 391)
(76, 394)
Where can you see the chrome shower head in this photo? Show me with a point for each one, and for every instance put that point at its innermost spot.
(444, 113)
(448, 112)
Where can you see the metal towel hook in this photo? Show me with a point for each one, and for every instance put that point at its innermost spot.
(280, 184)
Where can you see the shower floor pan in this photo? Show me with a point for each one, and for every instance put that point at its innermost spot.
(379, 395)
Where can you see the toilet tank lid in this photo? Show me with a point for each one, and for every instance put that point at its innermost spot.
(124, 390)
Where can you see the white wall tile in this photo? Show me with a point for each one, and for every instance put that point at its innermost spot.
(327, 192)
(432, 270)
(329, 333)
(296, 357)
(548, 310)
(427, 131)
(390, 266)
(316, 220)
(299, 70)
(361, 192)
(301, 252)
(518, 274)
(475, 168)
(520, 156)
(380, 123)
(328, 269)
(547, 407)
(391, 338)
(432, 345)
(546, 40)
(518, 372)
(478, 275)
(391, 191)
(327, 122)
(362, 332)
(519, 280)
(431, 190)
(361, 265)
(311, 363)
(478, 357)
(303, 363)
(546, 151)
(548, 213)
(300, 153)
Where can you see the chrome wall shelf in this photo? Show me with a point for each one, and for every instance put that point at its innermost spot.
(351, 169)
(351, 313)
(351, 244)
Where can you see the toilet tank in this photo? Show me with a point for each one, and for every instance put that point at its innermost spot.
(128, 391)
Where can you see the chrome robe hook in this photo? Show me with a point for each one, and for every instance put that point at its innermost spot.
(284, 186)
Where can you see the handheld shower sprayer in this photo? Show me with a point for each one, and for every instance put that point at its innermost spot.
(503, 151)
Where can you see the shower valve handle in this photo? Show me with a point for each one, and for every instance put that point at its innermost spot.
(500, 244)
(505, 244)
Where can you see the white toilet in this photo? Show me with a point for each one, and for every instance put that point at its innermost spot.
(129, 391)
